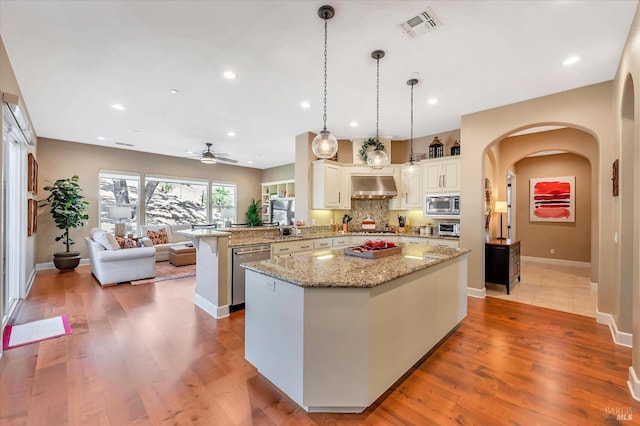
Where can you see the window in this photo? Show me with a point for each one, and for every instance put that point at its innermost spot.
(223, 203)
(119, 189)
(173, 201)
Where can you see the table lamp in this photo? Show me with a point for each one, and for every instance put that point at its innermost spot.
(120, 214)
(501, 207)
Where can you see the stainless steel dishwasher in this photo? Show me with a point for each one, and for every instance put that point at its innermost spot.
(243, 255)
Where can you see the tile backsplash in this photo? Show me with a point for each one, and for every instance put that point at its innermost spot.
(378, 210)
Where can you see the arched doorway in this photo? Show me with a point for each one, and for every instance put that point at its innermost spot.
(544, 152)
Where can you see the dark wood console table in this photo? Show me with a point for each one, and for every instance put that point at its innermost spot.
(502, 262)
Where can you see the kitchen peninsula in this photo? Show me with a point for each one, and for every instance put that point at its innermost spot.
(334, 332)
(212, 257)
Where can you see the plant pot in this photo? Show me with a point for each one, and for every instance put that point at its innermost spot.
(66, 260)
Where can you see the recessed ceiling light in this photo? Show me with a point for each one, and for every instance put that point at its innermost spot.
(305, 104)
(249, 162)
(229, 75)
(173, 91)
(231, 133)
(433, 101)
(353, 124)
(136, 131)
(190, 152)
(572, 60)
(118, 107)
(100, 138)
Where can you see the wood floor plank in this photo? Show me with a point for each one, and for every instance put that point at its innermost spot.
(147, 355)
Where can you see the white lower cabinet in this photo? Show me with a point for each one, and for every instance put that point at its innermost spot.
(414, 240)
(322, 245)
(437, 242)
(341, 242)
(291, 247)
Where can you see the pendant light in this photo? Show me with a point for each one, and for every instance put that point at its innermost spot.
(411, 166)
(377, 158)
(325, 145)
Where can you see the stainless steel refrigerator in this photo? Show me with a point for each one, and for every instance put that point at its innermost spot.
(283, 212)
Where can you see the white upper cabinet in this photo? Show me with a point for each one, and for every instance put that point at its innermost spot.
(441, 175)
(329, 189)
(410, 191)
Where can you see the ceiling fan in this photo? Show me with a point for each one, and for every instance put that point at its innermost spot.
(210, 157)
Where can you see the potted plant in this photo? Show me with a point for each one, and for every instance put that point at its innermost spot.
(252, 215)
(69, 210)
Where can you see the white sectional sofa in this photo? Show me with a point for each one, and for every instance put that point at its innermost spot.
(162, 249)
(111, 265)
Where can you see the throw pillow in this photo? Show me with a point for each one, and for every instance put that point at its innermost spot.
(105, 239)
(126, 243)
(158, 237)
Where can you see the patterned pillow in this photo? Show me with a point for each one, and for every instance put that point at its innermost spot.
(126, 243)
(158, 237)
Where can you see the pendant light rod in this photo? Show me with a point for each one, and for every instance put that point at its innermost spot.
(325, 12)
(377, 55)
(411, 83)
(325, 145)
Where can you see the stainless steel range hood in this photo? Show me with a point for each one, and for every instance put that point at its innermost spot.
(373, 187)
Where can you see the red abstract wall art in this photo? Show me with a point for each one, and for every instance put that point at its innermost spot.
(552, 199)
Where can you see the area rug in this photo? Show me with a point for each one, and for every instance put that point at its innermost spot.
(166, 271)
(35, 331)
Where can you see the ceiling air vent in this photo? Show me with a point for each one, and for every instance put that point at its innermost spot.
(420, 24)
(123, 144)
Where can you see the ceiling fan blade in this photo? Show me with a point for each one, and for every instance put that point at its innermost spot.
(225, 160)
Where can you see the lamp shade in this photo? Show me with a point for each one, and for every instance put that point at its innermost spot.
(377, 159)
(501, 207)
(324, 145)
(119, 213)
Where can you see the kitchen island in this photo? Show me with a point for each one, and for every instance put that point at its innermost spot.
(334, 332)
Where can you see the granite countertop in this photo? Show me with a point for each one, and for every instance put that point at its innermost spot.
(203, 233)
(251, 240)
(338, 270)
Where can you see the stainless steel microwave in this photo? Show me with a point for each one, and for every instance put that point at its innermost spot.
(442, 205)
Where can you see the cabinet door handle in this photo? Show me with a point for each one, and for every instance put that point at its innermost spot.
(406, 197)
(443, 180)
(339, 197)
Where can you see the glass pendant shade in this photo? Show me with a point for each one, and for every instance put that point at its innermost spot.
(410, 168)
(377, 159)
(324, 145)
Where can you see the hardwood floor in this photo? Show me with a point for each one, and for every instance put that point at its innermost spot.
(147, 355)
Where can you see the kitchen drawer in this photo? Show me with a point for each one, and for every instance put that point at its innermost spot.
(290, 247)
(341, 242)
(436, 242)
(414, 240)
(322, 243)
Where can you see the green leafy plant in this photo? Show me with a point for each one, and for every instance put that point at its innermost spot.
(252, 216)
(364, 149)
(68, 207)
(221, 197)
(165, 188)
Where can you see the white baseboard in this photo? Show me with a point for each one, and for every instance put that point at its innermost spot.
(634, 384)
(30, 282)
(479, 293)
(215, 311)
(50, 265)
(556, 261)
(619, 337)
(594, 286)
